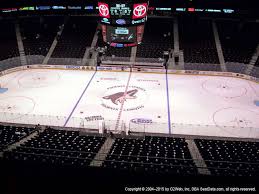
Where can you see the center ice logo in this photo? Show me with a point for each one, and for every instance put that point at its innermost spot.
(119, 96)
(133, 99)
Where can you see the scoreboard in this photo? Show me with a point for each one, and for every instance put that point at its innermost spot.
(123, 13)
(123, 21)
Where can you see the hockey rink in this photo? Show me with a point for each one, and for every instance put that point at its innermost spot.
(141, 102)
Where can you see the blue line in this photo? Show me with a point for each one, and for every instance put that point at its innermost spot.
(168, 105)
(79, 99)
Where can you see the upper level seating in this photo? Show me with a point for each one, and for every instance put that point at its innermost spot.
(38, 33)
(8, 41)
(197, 41)
(76, 36)
(152, 154)
(233, 158)
(12, 134)
(58, 147)
(238, 40)
(158, 37)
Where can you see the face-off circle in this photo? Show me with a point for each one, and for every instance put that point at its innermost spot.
(237, 121)
(15, 107)
(39, 79)
(226, 88)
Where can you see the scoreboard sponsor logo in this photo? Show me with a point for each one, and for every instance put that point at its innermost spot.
(119, 45)
(120, 22)
(138, 21)
(106, 21)
(139, 10)
(121, 31)
(104, 10)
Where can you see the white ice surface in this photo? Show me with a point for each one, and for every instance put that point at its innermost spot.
(199, 105)
(225, 102)
(51, 93)
(91, 103)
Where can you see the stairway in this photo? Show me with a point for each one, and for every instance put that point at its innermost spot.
(253, 61)
(219, 47)
(133, 54)
(86, 57)
(198, 160)
(176, 53)
(20, 45)
(176, 36)
(103, 152)
(22, 141)
(54, 43)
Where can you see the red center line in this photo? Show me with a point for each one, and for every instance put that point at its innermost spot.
(122, 104)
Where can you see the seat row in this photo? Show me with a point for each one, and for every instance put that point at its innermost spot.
(152, 154)
(58, 147)
(12, 134)
(230, 157)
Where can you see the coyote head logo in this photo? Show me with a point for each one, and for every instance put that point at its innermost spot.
(119, 96)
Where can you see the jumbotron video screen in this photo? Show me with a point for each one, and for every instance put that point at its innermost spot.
(121, 34)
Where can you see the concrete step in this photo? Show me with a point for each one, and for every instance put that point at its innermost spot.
(219, 47)
(103, 152)
(198, 160)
